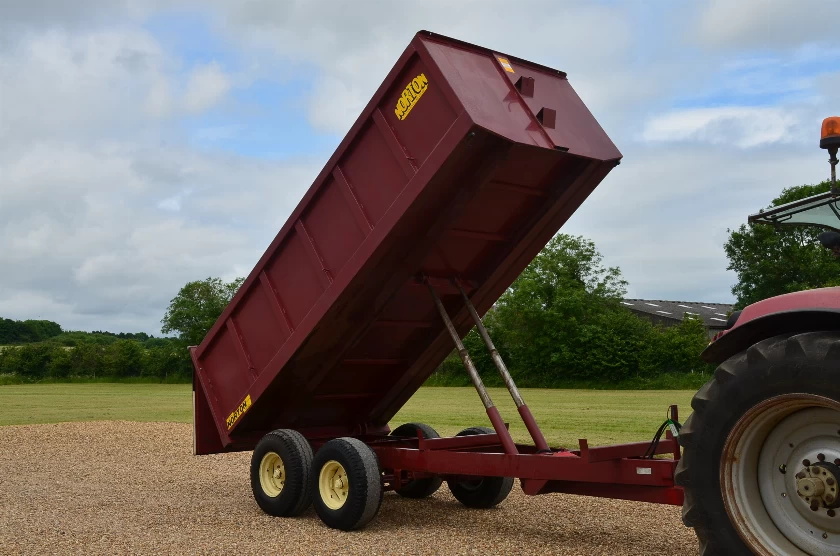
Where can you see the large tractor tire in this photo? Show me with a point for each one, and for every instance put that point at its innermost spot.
(418, 488)
(761, 460)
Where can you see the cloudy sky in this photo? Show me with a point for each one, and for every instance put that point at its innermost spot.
(144, 144)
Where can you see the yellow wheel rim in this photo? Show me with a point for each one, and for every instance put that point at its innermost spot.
(272, 474)
(333, 485)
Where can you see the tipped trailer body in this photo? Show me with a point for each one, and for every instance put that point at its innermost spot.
(459, 170)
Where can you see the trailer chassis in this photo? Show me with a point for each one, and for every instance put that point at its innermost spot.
(621, 471)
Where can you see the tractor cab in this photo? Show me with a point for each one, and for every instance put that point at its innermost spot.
(822, 210)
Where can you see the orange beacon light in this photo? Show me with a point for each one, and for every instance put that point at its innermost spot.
(830, 139)
(830, 133)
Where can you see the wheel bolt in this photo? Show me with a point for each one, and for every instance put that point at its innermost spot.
(806, 462)
(800, 475)
(821, 457)
(831, 513)
(815, 505)
(830, 481)
(829, 499)
(837, 461)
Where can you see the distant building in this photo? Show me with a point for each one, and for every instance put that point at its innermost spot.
(669, 313)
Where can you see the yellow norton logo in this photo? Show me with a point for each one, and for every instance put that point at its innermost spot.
(410, 95)
(239, 411)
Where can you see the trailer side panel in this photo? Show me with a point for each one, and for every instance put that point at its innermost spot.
(462, 166)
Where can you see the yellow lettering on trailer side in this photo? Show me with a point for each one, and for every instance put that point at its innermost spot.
(411, 95)
(239, 411)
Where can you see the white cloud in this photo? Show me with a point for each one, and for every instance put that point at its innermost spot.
(662, 215)
(82, 231)
(759, 23)
(38, 14)
(206, 86)
(736, 125)
(94, 174)
(172, 204)
(353, 45)
(58, 85)
(159, 99)
(828, 86)
(108, 206)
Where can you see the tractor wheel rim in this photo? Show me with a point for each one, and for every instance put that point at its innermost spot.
(272, 474)
(768, 490)
(333, 485)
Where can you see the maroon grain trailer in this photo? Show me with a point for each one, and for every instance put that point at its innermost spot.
(459, 170)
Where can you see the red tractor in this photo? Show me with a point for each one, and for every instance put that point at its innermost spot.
(761, 464)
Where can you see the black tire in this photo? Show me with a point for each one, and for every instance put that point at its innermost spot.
(480, 492)
(364, 479)
(806, 363)
(420, 488)
(296, 455)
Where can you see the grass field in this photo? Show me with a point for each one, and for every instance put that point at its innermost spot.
(602, 416)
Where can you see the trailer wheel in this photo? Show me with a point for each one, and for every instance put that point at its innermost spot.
(419, 488)
(347, 481)
(761, 459)
(281, 466)
(480, 492)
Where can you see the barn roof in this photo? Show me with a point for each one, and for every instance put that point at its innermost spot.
(714, 315)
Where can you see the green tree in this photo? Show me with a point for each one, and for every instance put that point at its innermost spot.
(562, 322)
(770, 262)
(124, 358)
(61, 362)
(168, 361)
(558, 310)
(9, 361)
(16, 332)
(88, 359)
(33, 360)
(196, 308)
(42, 329)
(676, 349)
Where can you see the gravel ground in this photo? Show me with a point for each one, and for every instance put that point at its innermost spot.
(125, 487)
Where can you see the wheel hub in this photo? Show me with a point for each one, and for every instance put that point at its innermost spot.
(816, 486)
(272, 474)
(810, 487)
(333, 485)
